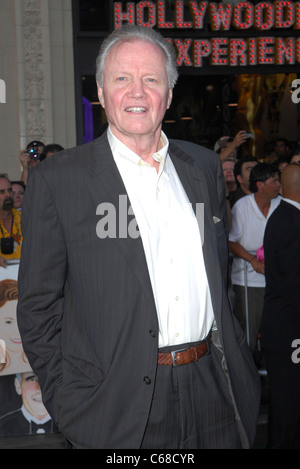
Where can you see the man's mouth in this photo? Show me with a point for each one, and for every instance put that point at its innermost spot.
(136, 109)
(8, 204)
(15, 340)
(38, 399)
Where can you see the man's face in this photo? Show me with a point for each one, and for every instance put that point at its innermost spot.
(135, 91)
(30, 391)
(281, 148)
(228, 167)
(243, 178)
(271, 187)
(6, 199)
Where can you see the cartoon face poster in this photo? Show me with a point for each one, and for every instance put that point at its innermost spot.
(21, 406)
(15, 359)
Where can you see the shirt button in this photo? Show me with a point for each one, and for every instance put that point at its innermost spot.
(147, 380)
(176, 298)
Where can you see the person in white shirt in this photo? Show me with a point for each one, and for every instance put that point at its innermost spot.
(249, 217)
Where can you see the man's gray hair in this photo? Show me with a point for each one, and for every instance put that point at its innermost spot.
(4, 176)
(129, 33)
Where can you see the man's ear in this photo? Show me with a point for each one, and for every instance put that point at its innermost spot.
(18, 386)
(170, 97)
(100, 95)
(259, 184)
(239, 178)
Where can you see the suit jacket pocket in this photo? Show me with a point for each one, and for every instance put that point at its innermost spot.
(82, 368)
(80, 378)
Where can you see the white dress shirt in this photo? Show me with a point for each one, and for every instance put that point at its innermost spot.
(248, 228)
(172, 244)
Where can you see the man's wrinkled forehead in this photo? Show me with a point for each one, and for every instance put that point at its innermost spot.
(4, 183)
(124, 46)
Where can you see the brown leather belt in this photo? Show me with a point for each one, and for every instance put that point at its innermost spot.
(184, 356)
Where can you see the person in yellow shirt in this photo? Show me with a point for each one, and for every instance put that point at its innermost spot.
(10, 224)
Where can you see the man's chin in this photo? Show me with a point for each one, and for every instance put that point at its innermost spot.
(8, 206)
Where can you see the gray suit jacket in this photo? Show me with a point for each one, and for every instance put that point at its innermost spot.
(86, 310)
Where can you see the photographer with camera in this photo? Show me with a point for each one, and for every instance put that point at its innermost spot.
(33, 155)
(10, 224)
(227, 147)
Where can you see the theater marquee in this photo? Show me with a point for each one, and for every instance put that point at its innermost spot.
(222, 34)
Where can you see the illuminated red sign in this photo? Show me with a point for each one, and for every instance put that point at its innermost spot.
(276, 16)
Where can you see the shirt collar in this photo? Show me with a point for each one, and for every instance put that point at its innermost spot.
(31, 418)
(292, 202)
(119, 149)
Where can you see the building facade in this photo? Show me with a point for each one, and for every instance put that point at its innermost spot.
(37, 70)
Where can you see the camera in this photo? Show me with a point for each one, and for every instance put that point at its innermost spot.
(33, 153)
(33, 150)
(7, 245)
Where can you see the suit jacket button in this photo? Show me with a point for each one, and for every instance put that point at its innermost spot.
(152, 333)
(147, 380)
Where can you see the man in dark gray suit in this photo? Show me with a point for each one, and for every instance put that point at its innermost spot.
(123, 306)
(280, 327)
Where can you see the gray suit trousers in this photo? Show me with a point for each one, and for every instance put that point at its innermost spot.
(192, 407)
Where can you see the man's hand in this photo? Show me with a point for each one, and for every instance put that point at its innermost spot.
(25, 159)
(258, 266)
(240, 138)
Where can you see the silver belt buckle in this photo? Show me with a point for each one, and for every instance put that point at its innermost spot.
(174, 355)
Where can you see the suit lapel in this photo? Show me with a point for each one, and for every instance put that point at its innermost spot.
(194, 182)
(106, 186)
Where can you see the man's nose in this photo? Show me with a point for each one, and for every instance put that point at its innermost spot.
(137, 88)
